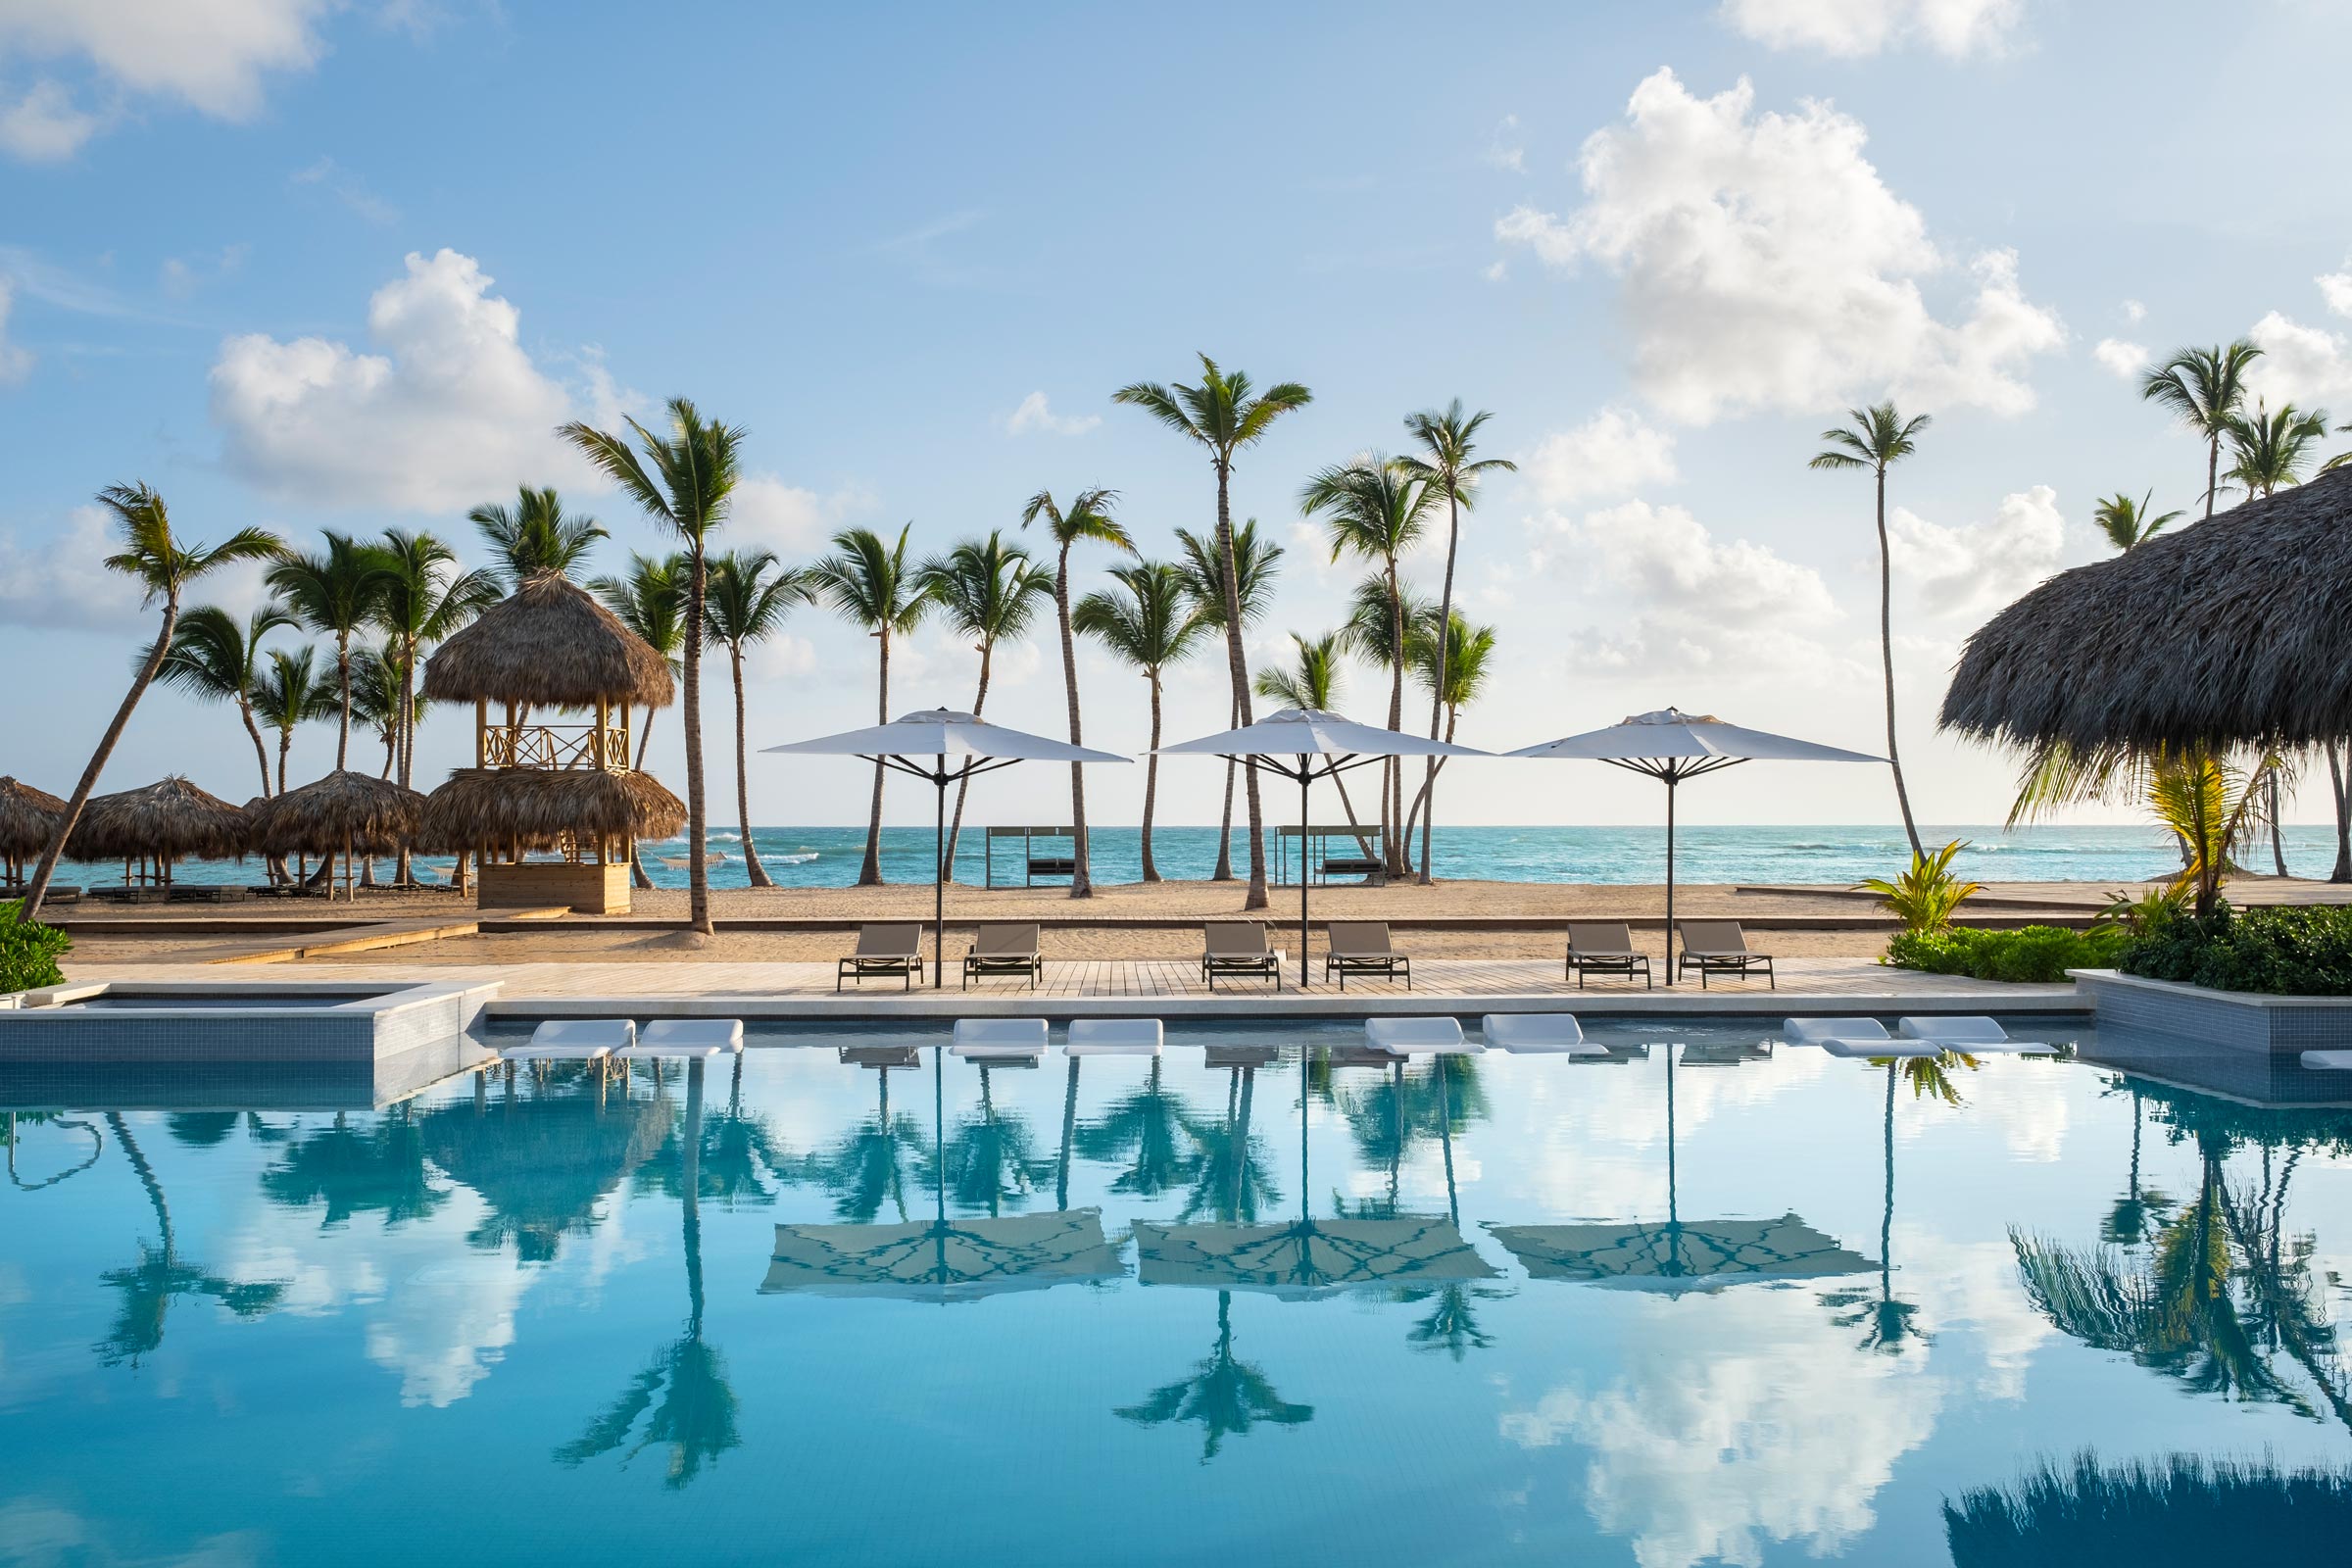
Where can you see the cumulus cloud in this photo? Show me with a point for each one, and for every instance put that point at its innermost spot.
(1612, 453)
(767, 512)
(1034, 416)
(2121, 358)
(2134, 312)
(1850, 29)
(62, 581)
(15, 362)
(1765, 264)
(453, 411)
(2336, 289)
(44, 124)
(1969, 571)
(2307, 365)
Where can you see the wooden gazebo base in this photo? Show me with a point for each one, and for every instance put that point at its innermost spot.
(587, 887)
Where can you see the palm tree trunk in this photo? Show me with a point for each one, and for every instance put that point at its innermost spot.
(2213, 468)
(2343, 814)
(285, 743)
(637, 876)
(1895, 761)
(29, 909)
(1437, 693)
(751, 868)
(343, 679)
(1238, 668)
(1082, 883)
(1152, 776)
(698, 822)
(1224, 870)
(963, 785)
(404, 725)
(261, 753)
(869, 872)
(2278, 844)
(1392, 772)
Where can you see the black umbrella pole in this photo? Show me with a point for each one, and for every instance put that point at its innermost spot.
(1302, 782)
(1670, 879)
(938, 886)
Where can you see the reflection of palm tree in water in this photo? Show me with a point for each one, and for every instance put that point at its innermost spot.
(20, 1119)
(2127, 1223)
(378, 1169)
(1146, 1129)
(867, 1167)
(1230, 1177)
(683, 1393)
(1888, 1322)
(2183, 1508)
(160, 1274)
(1452, 1322)
(992, 1158)
(737, 1153)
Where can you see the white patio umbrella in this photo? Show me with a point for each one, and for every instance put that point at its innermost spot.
(1305, 743)
(961, 747)
(1672, 746)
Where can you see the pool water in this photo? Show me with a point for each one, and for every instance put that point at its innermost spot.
(1702, 1300)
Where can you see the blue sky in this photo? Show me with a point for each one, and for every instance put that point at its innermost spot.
(307, 265)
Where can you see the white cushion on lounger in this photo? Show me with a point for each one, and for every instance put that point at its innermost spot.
(1113, 1037)
(1418, 1037)
(688, 1036)
(2327, 1061)
(1819, 1031)
(1551, 1033)
(574, 1039)
(1880, 1048)
(983, 1039)
(1976, 1035)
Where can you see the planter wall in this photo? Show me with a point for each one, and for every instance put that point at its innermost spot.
(2227, 1020)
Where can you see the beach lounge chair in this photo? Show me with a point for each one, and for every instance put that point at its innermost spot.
(1419, 1037)
(892, 947)
(993, 1040)
(574, 1039)
(2328, 1060)
(1003, 950)
(1237, 948)
(1718, 947)
(1604, 947)
(1852, 1037)
(1113, 1037)
(1971, 1036)
(1537, 1034)
(1361, 948)
(680, 1039)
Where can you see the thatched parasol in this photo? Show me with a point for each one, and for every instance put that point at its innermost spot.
(549, 644)
(356, 812)
(27, 819)
(538, 809)
(2233, 631)
(171, 819)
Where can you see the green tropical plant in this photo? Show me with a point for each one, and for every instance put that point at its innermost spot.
(216, 658)
(1258, 561)
(291, 690)
(154, 557)
(2031, 954)
(422, 600)
(1456, 666)
(872, 584)
(535, 535)
(1879, 437)
(2209, 804)
(1149, 623)
(335, 593)
(684, 481)
(1088, 518)
(989, 591)
(2203, 389)
(1924, 897)
(2128, 524)
(746, 600)
(2270, 450)
(2147, 911)
(29, 951)
(379, 681)
(1222, 416)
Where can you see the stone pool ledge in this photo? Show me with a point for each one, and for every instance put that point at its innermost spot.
(159, 1021)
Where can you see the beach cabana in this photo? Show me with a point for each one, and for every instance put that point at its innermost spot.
(27, 822)
(569, 791)
(162, 823)
(344, 813)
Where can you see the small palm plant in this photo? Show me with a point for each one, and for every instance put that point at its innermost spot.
(292, 691)
(1925, 897)
(1150, 626)
(989, 591)
(2128, 524)
(215, 660)
(2211, 805)
(1313, 682)
(2204, 388)
(534, 535)
(335, 592)
(746, 601)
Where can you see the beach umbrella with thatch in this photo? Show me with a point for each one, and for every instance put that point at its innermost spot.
(171, 819)
(545, 809)
(346, 812)
(28, 819)
(549, 644)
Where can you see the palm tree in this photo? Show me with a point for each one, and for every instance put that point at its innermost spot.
(650, 601)
(873, 585)
(2128, 524)
(989, 590)
(422, 599)
(1375, 507)
(1258, 560)
(1449, 438)
(334, 593)
(1456, 666)
(1313, 682)
(164, 568)
(215, 660)
(2203, 388)
(1880, 436)
(383, 699)
(2270, 450)
(535, 535)
(1221, 416)
(687, 489)
(748, 596)
(1088, 518)
(291, 692)
(1150, 626)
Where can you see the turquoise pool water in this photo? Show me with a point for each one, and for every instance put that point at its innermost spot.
(1701, 1302)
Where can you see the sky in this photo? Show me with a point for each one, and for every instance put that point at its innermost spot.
(303, 264)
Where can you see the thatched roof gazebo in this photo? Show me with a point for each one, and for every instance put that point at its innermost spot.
(548, 644)
(345, 812)
(543, 809)
(28, 819)
(168, 820)
(2231, 632)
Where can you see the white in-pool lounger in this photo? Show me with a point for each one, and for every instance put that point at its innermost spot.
(1974, 1036)
(1531, 1033)
(1852, 1037)
(676, 1039)
(1419, 1037)
(999, 1039)
(574, 1039)
(2328, 1061)
(1113, 1037)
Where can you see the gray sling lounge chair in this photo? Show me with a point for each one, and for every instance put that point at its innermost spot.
(1237, 948)
(1361, 948)
(1604, 948)
(893, 947)
(1718, 947)
(1010, 948)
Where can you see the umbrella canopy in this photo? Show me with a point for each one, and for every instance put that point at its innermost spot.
(944, 1260)
(27, 818)
(2236, 629)
(345, 810)
(171, 819)
(1307, 1257)
(541, 808)
(551, 645)
(1676, 1256)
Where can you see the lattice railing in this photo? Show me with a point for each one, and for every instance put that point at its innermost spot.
(556, 746)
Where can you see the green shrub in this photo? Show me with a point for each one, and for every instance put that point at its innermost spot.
(29, 953)
(2033, 954)
(2294, 951)
(1924, 897)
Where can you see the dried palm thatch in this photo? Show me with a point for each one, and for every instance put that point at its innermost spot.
(171, 819)
(28, 816)
(2231, 632)
(550, 644)
(540, 808)
(366, 814)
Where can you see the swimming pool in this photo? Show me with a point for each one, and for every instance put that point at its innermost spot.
(1704, 1300)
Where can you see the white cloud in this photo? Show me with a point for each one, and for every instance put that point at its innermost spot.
(1968, 572)
(2336, 289)
(1612, 453)
(1856, 28)
(15, 362)
(768, 514)
(181, 278)
(2121, 358)
(347, 188)
(1033, 417)
(781, 657)
(1504, 147)
(2134, 312)
(44, 126)
(1765, 264)
(2307, 365)
(63, 581)
(1497, 271)
(452, 411)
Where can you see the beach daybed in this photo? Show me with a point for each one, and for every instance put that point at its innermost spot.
(1021, 1040)
(890, 948)
(574, 1039)
(1113, 1037)
(1010, 948)
(1232, 947)
(1363, 948)
(1720, 948)
(1852, 1037)
(1970, 1035)
(1537, 1033)
(677, 1039)
(1606, 948)
(1419, 1037)
(2328, 1060)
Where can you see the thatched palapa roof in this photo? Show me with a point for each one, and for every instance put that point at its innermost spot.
(170, 817)
(28, 816)
(370, 815)
(538, 808)
(550, 644)
(2231, 631)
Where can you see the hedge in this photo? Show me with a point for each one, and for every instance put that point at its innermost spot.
(2030, 955)
(29, 953)
(2285, 951)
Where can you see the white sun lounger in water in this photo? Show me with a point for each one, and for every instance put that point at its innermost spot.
(1113, 1037)
(2328, 1061)
(1974, 1036)
(1419, 1037)
(1529, 1033)
(1852, 1037)
(680, 1038)
(574, 1039)
(999, 1039)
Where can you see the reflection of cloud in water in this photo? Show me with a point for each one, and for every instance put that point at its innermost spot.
(1737, 1420)
(35, 1533)
(2027, 1099)
(1972, 1285)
